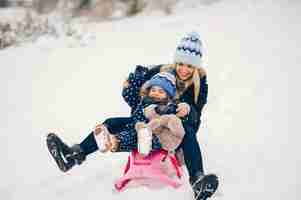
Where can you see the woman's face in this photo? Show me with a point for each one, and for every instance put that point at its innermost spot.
(157, 93)
(184, 71)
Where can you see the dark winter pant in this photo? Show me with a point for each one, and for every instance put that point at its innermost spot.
(117, 126)
(114, 125)
(192, 152)
(127, 136)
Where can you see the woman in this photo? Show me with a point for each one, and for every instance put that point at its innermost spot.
(192, 92)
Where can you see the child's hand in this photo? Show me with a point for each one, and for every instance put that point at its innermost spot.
(140, 125)
(98, 128)
(183, 109)
(126, 84)
(114, 141)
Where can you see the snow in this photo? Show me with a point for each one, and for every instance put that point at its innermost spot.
(249, 135)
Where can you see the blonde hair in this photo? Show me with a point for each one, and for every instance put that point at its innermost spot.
(198, 73)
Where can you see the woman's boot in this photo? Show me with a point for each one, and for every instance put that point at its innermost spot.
(204, 186)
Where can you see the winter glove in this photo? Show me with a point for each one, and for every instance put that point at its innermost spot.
(140, 72)
(183, 109)
(138, 76)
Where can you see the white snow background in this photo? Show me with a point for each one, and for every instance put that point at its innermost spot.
(249, 135)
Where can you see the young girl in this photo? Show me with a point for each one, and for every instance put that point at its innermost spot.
(154, 116)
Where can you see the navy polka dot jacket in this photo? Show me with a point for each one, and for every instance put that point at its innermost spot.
(131, 95)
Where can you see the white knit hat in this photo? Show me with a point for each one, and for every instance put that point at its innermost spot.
(189, 50)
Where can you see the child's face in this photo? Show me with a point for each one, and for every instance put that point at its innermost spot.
(157, 93)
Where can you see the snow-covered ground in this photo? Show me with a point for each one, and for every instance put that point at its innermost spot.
(248, 136)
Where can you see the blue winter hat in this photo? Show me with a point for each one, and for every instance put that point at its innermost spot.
(165, 80)
(189, 50)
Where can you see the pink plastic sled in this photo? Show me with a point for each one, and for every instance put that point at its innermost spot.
(154, 166)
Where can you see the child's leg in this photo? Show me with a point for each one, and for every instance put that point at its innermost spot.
(117, 124)
(65, 157)
(128, 141)
(124, 141)
(89, 144)
(100, 139)
(113, 126)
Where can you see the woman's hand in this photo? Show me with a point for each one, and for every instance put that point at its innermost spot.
(183, 110)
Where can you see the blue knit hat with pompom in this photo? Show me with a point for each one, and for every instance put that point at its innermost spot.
(165, 80)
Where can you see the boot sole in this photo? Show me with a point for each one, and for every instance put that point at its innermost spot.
(208, 185)
(55, 150)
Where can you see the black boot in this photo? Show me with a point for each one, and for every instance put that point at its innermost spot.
(204, 186)
(64, 156)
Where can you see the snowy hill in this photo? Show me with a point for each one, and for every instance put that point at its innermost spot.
(252, 58)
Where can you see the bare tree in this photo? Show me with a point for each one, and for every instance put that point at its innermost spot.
(134, 7)
(45, 6)
(3, 3)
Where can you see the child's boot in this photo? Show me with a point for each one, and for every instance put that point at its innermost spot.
(65, 157)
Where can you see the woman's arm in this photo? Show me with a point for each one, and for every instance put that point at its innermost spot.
(202, 98)
(132, 86)
(192, 119)
(131, 89)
